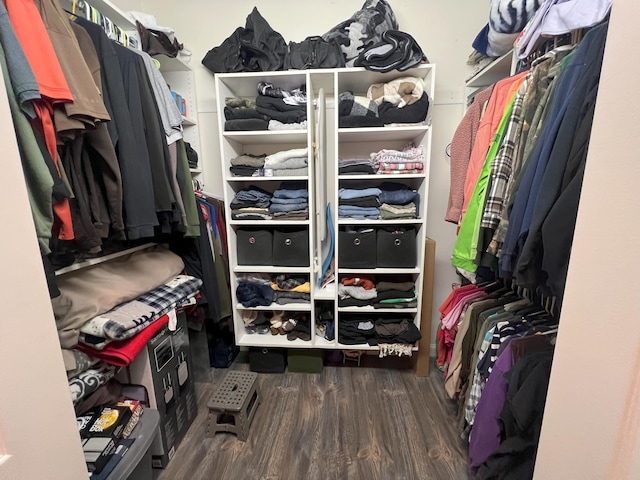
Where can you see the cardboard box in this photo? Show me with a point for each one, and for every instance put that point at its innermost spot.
(110, 422)
(164, 368)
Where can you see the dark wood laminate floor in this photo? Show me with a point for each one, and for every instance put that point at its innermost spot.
(345, 423)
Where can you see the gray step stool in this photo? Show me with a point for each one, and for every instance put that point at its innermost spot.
(234, 404)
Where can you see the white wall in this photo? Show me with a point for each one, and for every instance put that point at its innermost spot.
(444, 30)
(38, 433)
(591, 428)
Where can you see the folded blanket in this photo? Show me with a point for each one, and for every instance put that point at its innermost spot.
(77, 362)
(122, 353)
(295, 162)
(399, 92)
(409, 154)
(127, 319)
(248, 160)
(356, 106)
(90, 380)
(281, 156)
(92, 291)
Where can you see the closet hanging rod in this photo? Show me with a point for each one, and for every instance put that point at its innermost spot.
(213, 195)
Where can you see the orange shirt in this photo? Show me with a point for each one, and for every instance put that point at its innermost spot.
(503, 92)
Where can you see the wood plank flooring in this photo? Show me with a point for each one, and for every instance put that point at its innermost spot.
(346, 423)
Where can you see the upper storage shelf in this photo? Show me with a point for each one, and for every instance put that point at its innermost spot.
(245, 85)
(381, 133)
(498, 69)
(267, 137)
(358, 80)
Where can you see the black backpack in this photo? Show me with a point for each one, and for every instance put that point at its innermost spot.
(314, 52)
(255, 48)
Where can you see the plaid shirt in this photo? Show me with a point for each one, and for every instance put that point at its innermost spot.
(501, 166)
(119, 326)
(478, 383)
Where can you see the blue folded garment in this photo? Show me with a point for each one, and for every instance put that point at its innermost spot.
(346, 193)
(350, 211)
(396, 194)
(290, 193)
(289, 201)
(254, 294)
(281, 207)
(252, 194)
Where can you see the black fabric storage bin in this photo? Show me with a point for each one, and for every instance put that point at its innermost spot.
(396, 247)
(291, 248)
(357, 249)
(267, 360)
(255, 247)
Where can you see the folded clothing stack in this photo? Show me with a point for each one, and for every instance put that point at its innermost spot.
(401, 101)
(394, 330)
(251, 203)
(291, 203)
(287, 163)
(241, 115)
(406, 161)
(356, 111)
(291, 289)
(398, 201)
(254, 294)
(361, 203)
(356, 166)
(357, 291)
(355, 330)
(247, 165)
(130, 318)
(288, 107)
(396, 295)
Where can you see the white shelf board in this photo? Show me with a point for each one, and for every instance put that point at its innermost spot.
(326, 293)
(269, 269)
(358, 79)
(267, 137)
(384, 176)
(498, 69)
(394, 221)
(268, 340)
(371, 309)
(289, 307)
(364, 346)
(380, 271)
(168, 64)
(260, 223)
(195, 171)
(95, 261)
(267, 179)
(375, 134)
(186, 121)
(321, 342)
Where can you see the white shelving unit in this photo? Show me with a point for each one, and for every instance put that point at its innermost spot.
(360, 142)
(338, 142)
(234, 143)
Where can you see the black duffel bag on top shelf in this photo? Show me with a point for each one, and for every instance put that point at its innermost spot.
(313, 52)
(357, 248)
(255, 247)
(291, 247)
(396, 247)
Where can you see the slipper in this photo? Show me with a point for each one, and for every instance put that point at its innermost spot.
(289, 325)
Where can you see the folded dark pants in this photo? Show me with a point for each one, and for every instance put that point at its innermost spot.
(242, 113)
(246, 124)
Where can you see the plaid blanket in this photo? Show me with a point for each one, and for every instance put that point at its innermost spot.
(125, 320)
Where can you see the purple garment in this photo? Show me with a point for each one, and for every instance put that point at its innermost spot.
(557, 17)
(485, 433)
